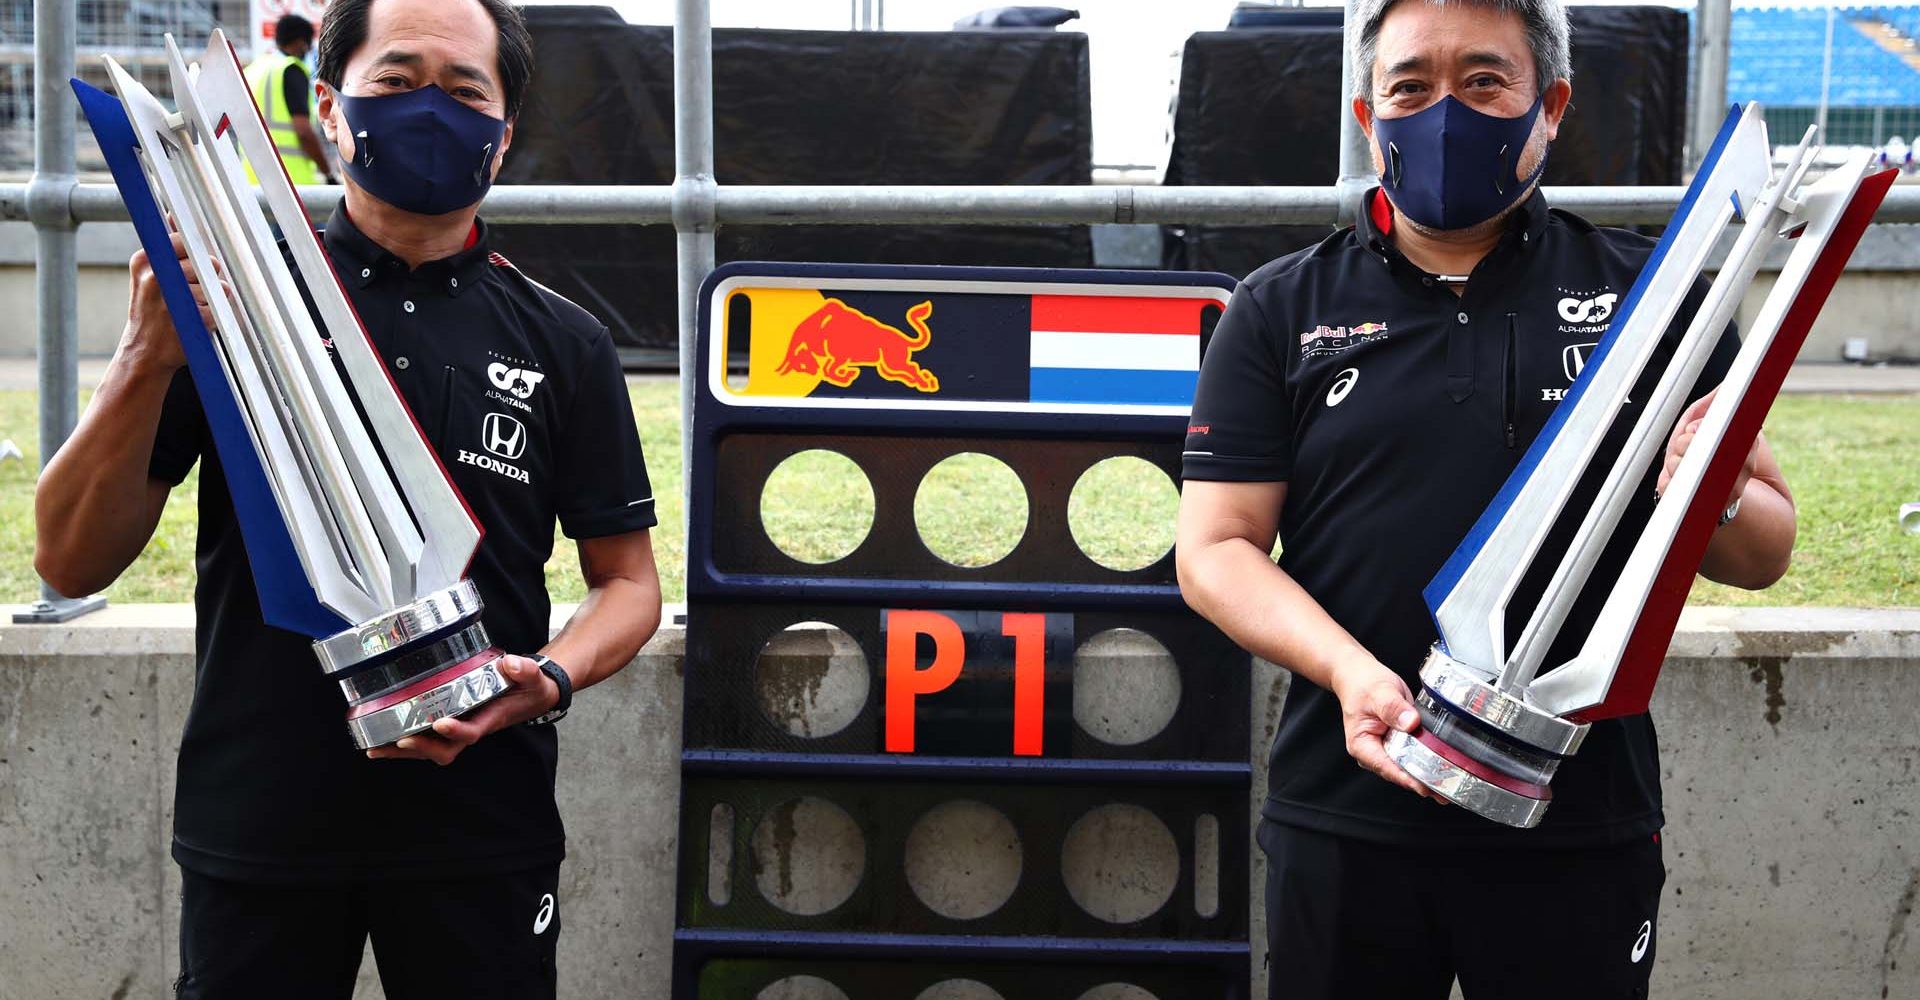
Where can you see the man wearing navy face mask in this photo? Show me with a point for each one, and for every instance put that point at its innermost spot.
(444, 849)
(1363, 400)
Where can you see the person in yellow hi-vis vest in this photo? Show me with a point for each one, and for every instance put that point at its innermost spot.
(284, 93)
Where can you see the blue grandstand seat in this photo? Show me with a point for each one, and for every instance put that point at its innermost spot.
(1775, 57)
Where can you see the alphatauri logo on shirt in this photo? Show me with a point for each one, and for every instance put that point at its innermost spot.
(514, 380)
(518, 381)
(1586, 311)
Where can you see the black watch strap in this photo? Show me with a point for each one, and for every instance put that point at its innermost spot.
(560, 677)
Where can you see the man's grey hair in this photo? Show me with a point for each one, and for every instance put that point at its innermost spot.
(1545, 22)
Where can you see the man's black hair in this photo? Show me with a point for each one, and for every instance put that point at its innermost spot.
(345, 30)
(292, 28)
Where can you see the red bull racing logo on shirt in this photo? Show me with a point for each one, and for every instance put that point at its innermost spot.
(1322, 340)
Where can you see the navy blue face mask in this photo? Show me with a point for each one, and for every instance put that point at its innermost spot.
(422, 151)
(1450, 167)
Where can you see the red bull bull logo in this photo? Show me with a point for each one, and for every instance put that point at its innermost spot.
(836, 341)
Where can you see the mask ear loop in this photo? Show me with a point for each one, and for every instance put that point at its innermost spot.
(486, 160)
(1393, 164)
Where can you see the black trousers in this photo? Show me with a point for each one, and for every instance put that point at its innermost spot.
(491, 936)
(1356, 921)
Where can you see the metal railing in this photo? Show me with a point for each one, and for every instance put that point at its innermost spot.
(693, 203)
(696, 204)
(46, 202)
(742, 204)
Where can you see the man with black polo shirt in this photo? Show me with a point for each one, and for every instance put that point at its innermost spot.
(445, 848)
(1364, 400)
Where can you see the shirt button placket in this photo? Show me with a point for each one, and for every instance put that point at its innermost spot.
(403, 336)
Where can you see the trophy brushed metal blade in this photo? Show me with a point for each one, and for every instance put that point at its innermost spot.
(1494, 725)
(347, 515)
(448, 529)
(1469, 597)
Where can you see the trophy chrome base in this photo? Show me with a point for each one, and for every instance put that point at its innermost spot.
(458, 689)
(1481, 748)
(1479, 790)
(413, 665)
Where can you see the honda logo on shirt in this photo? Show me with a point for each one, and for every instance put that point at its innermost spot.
(1573, 360)
(504, 436)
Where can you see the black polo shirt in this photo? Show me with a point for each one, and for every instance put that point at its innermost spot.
(1394, 410)
(270, 787)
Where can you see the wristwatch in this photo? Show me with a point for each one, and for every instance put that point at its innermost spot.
(1732, 511)
(560, 677)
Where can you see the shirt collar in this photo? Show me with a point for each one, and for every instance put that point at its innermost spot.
(1529, 221)
(1531, 217)
(361, 261)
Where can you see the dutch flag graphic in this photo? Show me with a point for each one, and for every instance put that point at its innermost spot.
(1114, 350)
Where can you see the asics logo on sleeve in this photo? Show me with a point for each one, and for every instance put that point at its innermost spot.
(1640, 943)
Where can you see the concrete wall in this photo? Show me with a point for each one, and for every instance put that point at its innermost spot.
(1789, 760)
(1878, 299)
(103, 249)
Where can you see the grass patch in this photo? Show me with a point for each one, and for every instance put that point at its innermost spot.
(1122, 513)
(164, 571)
(656, 408)
(817, 505)
(971, 509)
(1850, 460)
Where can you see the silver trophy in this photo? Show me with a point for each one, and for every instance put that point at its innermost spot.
(356, 535)
(1494, 725)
